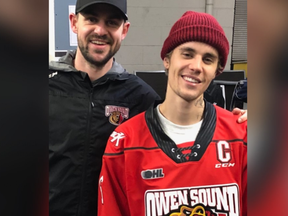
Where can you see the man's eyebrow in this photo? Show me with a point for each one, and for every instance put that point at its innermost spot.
(189, 49)
(211, 55)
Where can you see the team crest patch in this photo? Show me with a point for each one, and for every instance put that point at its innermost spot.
(186, 210)
(116, 114)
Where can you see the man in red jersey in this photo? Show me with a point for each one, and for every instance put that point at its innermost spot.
(184, 156)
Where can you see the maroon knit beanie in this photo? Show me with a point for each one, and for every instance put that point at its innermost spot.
(201, 27)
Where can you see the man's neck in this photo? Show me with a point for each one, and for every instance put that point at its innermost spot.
(182, 112)
(93, 71)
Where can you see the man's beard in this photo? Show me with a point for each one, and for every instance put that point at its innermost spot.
(89, 58)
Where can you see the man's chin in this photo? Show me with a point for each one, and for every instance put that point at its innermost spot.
(99, 62)
(96, 57)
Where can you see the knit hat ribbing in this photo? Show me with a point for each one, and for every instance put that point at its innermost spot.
(201, 27)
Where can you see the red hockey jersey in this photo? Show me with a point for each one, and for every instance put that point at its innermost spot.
(145, 173)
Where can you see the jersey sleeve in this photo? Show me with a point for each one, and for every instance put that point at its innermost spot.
(112, 198)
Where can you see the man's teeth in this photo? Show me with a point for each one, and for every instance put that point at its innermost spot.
(98, 42)
(189, 79)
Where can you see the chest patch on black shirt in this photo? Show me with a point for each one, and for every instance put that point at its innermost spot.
(116, 114)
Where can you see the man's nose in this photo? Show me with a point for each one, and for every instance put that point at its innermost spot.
(196, 64)
(100, 28)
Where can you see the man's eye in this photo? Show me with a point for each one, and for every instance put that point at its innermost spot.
(186, 54)
(112, 23)
(208, 60)
(92, 19)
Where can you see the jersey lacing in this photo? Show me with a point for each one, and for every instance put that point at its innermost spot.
(179, 151)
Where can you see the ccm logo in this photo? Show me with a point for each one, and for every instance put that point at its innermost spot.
(224, 165)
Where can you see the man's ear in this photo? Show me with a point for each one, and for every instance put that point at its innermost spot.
(166, 63)
(73, 22)
(125, 29)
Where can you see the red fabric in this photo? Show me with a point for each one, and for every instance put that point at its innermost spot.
(201, 27)
(221, 189)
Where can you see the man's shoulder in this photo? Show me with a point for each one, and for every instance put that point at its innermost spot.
(223, 112)
(137, 85)
(133, 122)
(228, 121)
(64, 64)
(137, 81)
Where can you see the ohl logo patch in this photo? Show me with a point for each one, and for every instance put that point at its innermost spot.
(116, 114)
(152, 174)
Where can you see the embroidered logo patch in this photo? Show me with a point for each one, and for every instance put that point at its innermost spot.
(224, 155)
(152, 174)
(116, 137)
(116, 114)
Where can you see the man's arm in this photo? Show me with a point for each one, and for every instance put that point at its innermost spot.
(243, 113)
(112, 199)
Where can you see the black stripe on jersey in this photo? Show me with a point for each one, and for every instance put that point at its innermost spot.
(152, 148)
(133, 148)
(111, 154)
(167, 145)
(234, 140)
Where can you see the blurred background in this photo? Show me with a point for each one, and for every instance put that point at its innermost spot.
(267, 93)
(24, 108)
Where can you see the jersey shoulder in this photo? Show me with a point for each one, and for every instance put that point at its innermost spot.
(129, 134)
(228, 127)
